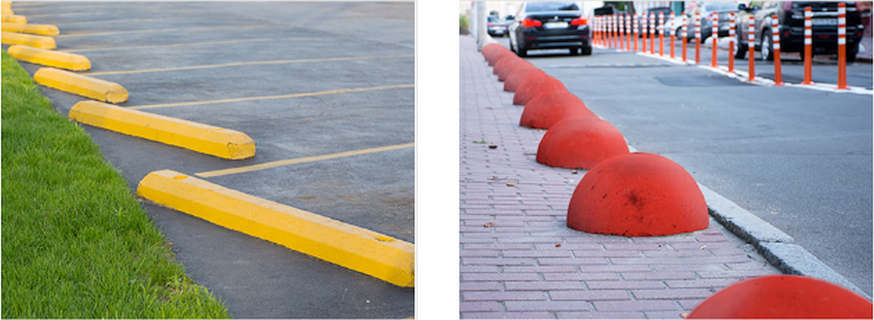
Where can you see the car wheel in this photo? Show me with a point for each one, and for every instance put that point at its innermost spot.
(678, 35)
(767, 47)
(586, 50)
(740, 50)
(851, 55)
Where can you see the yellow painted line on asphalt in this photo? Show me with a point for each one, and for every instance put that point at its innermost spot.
(237, 64)
(82, 85)
(109, 33)
(375, 254)
(40, 29)
(207, 139)
(13, 18)
(63, 60)
(42, 42)
(169, 45)
(274, 164)
(287, 96)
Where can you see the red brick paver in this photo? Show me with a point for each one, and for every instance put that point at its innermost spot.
(518, 257)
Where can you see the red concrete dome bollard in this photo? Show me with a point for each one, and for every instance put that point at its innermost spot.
(515, 78)
(508, 64)
(580, 143)
(637, 195)
(497, 54)
(489, 49)
(535, 85)
(547, 109)
(783, 296)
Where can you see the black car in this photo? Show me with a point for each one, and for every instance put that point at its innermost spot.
(550, 25)
(790, 15)
(705, 11)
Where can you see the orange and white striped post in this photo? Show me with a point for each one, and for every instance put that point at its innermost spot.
(662, 34)
(596, 26)
(635, 20)
(628, 18)
(671, 17)
(714, 34)
(731, 39)
(775, 39)
(643, 22)
(615, 30)
(808, 46)
(621, 31)
(697, 37)
(652, 27)
(751, 46)
(842, 46)
(685, 36)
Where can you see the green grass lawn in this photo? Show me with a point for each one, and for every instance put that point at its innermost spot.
(76, 244)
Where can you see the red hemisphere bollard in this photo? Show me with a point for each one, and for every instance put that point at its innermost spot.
(775, 39)
(490, 49)
(508, 64)
(783, 296)
(580, 143)
(652, 27)
(751, 46)
(671, 34)
(535, 86)
(697, 37)
(731, 40)
(661, 34)
(637, 195)
(515, 78)
(714, 34)
(685, 37)
(545, 110)
(808, 46)
(842, 46)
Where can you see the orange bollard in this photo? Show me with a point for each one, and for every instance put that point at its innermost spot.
(628, 31)
(652, 27)
(731, 44)
(697, 37)
(751, 46)
(621, 31)
(715, 35)
(775, 36)
(661, 34)
(685, 37)
(642, 24)
(808, 46)
(615, 36)
(671, 34)
(842, 46)
(636, 23)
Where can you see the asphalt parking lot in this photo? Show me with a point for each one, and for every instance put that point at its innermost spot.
(302, 80)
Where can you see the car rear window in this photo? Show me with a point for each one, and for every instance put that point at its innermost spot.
(552, 6)
(719, 6)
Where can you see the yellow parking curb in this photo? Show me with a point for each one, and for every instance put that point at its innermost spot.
(82, 85)
(63, 60)
(359, 249)
(215, 141)
(41, 29)
(7, 11)
(41, 42)
(13, 18)
(6, 4)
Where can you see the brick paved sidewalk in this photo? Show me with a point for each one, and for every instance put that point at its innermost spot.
(518, 258)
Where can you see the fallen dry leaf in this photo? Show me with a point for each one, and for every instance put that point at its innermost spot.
(490, 224)
(510, 184)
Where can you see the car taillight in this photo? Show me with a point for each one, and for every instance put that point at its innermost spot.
(489, 24)
(530, 23)
(581, 21)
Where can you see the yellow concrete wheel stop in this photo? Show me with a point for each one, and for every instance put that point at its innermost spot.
(352, 247)
(42, 42)
(57, 59)
(82, 85)
(215, 141)
(13, 18)
(41, 29)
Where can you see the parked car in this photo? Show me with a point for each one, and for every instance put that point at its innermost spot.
(496, 26)
(644, 27)
(705, 10)
(790, 15)
(550, 25)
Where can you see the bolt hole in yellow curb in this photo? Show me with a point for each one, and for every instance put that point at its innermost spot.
(206, 139)
(359, 249)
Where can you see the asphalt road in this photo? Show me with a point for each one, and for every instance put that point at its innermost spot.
(208, 54)
(798, 158)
